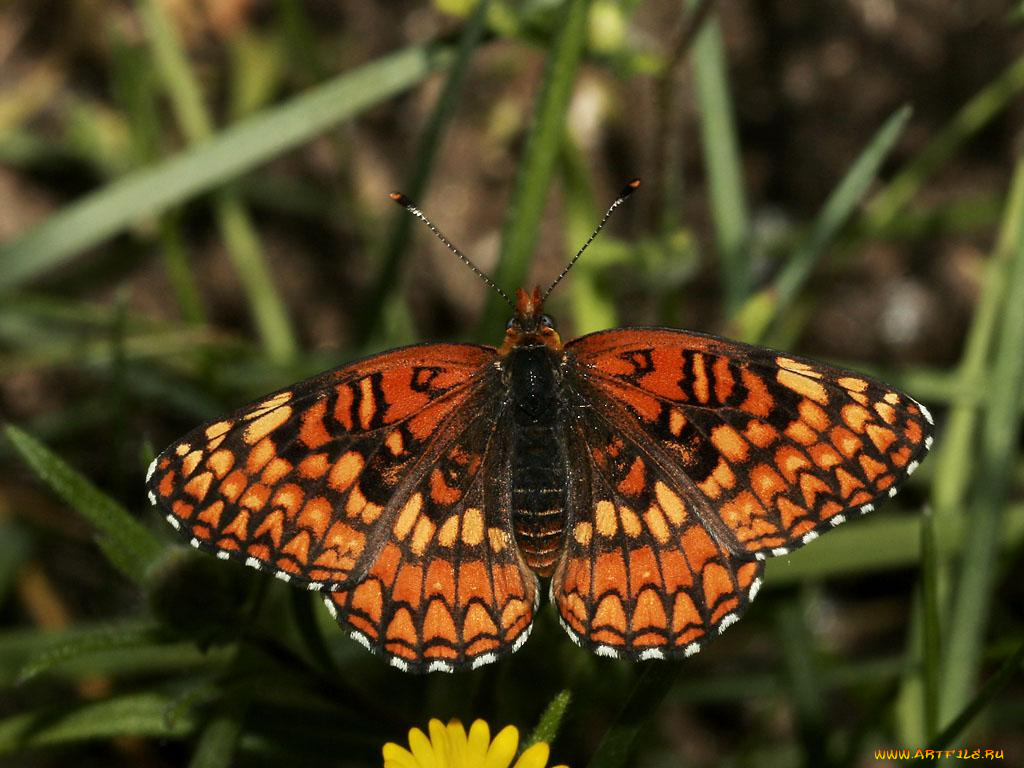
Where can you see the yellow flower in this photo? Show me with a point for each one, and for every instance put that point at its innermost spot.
(448, 746)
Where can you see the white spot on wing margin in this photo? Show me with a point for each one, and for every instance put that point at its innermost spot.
(727, 621)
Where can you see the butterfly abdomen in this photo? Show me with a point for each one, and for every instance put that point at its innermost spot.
(538, 474)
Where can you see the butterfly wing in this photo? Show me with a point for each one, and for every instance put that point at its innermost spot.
(362, 474)
(641, 576)
(774, 449)
(721, 453)
(449, 590)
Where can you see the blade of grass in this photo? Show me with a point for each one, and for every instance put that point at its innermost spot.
(125, 542)
(1006, 673)
(382, 295)
(952, 474)
(757, 314)
(1001, 425)
(802, 677)
(235, 150)
(592, 308)
(236, 227)
(114, 637)
(931, 631)
(20, 649)
(722, 164)
(884, 543)
(217, 744)
(540, 154)
(669, 162)
(137, 714)
(134, 81)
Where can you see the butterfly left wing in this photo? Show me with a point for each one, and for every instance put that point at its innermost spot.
(380, 483)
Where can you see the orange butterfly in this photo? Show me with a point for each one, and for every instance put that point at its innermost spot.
(647, 472)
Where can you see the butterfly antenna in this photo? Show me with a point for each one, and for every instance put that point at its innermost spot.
(628, 190)
(410, 206)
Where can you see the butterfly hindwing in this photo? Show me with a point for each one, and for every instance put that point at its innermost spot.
(641, 577)
(772, 449)
(449, 589)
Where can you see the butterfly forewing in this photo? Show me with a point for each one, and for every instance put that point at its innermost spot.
(769, 450)
(306, 482)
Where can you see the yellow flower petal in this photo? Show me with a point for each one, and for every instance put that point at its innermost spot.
(422, 749)
(439, 741)
(534, 757)
(503, 748)
(479, 740)
(458, 746)
(398, 757)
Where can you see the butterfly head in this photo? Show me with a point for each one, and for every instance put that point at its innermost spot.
(529, 326)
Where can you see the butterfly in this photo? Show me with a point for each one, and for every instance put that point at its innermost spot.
(646, 472)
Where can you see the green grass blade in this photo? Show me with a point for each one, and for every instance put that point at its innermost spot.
(242, 242)
(235, 150)
(803, 679)
(138, 714)
(1001, 427)
(111, 638)
(172, 63)
(723, 165)
(882, 543)
(759, 312)
(219, 739)
(952, 474)
(930, 625)
(1009, 670)
(22, 649)
(540, 155)
(126, 542)
(591, 307)
(246, 252)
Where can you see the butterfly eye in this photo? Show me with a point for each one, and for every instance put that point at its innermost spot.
(547, 321)
(511, 322)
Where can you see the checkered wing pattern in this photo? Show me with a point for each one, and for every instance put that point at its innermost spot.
(703, 457)
(349, 482)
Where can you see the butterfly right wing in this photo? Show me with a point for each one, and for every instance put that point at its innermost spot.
(304, 482)
(640, 576)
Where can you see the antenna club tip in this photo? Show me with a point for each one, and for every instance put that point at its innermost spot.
(399, 198)
(631, 187)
